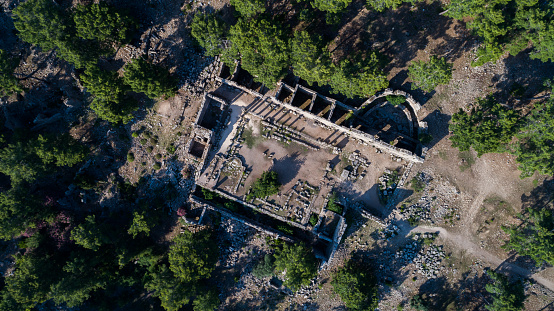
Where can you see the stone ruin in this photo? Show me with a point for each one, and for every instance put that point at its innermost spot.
(334, 115)
(205, 129)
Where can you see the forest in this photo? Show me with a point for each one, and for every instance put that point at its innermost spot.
(69, 254)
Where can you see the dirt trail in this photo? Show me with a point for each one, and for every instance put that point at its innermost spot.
(465, 243)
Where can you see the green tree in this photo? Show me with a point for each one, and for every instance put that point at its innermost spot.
(265, 267)
(83, 274)
(428, 75)
(19, 210)
(535, 237)
(299, 262)
(60, 151)
(19, 163)
(535, 141)
(41, 22)
(103, 84)
(249, 8)
(150, 79)
(207, 301)
(139, 224)
(172, 292)
(382, 5)
(488, 128)
(115, 111)
(354, 79)
(209, 31)
(88, 234)
(262, 47)
(25, 161)
(45, 24)
(357, 287)
(506, 296)
(30, 284)
(111, 101)
(8, 83)
(267, 185)
(310, 57)
(102, 22)
(333, 6)
(192, 257)
(507, 25)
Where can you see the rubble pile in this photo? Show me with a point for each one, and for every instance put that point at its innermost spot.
(233, 237)
(387, 184)
(196, 79)
(428, 261)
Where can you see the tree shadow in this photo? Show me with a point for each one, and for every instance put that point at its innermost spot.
(437, 123)
(288, 166)
(438, 294)
(540, 197)
(521, 71)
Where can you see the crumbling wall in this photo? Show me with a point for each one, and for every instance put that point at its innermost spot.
(242, 220)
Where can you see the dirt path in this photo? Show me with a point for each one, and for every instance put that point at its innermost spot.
(463, 242)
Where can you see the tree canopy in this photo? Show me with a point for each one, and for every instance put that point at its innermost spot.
(192, 257)
(28, 158)
(357, 286)
(535, 237)
(88, 234)
(102, 22)
(209, 31)
(42, 23)
(19, 210)
(299, 262)
(506, 296)
(152, 80)
(508, 25)
(8, 83)
(310, 57)
(262, 47)
(428, 75)
(535, 141)
(333, 6)
(358, 79)
(268, 184)
(111, 101)
(249, 8)
(489, 127)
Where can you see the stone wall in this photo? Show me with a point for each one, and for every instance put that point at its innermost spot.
(242, 220)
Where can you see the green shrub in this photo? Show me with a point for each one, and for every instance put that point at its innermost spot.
(395, 100)
(158, 156)
(265, 267)
(425, 138)
(147, 135)
(208, 195)
(149, 149)
(171, 149)
(357, 286)
(157, 166)
(313, 219)
(299, 262)
(135, 134)
(285, 229)
(417, 183)
(264, 186)
(130, 157)
(332, 204)
(143, 141)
